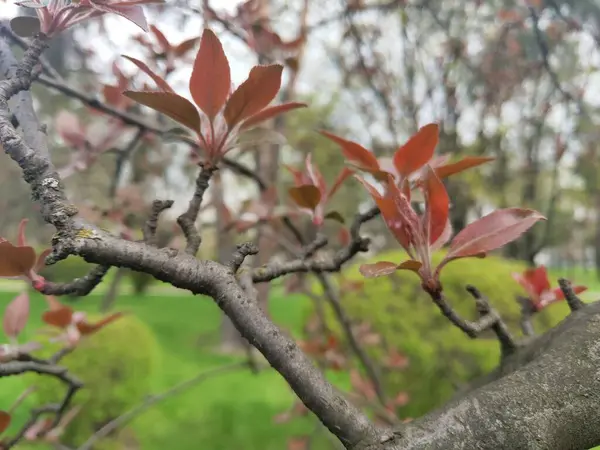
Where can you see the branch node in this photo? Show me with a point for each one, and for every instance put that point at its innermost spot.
(574, 302)
(242, 251)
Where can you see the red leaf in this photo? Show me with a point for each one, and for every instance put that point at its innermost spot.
(354, 152)
(4, 421)
(89, 328)
(411, 265)
(15, 261)
(417, 151)
(437, 204)
(378, 269)
(160, 37)
(41, 260)
(211, 78)
(173, 105)
(343, 176)
(390, 210)
(306, 196)
(297, 443)
(60, 318)
(21, 242)
(492, 231)
(16, 315)
(269, 113)
(560, 295)
(254, 94)
(160, 81)
(184, 47)
(463, 164)
(315, 175)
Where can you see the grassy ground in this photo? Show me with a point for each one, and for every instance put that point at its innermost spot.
(234, 410)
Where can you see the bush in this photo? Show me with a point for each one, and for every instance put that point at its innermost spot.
(441, 357)
(116, 377)
(66, 270)
(140, 282)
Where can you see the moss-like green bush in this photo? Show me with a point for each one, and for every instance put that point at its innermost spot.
(115, 366)
(66, 270)
(140, 282)
(441, 357)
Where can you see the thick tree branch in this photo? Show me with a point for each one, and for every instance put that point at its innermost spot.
(545, 396)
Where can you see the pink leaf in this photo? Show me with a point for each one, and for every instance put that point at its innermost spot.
(378, 269)
(492, 231)
(16, 315)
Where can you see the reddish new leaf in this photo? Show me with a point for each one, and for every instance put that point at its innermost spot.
(60, 318)
(560, 295)
(15, 261)
(160, 81)
(211, 78)
(184, 47)
(269, 113)
(446, 170)
(492, 231)
(16, 315)
(306, 196)
(410, 264)
(343, 176)
(417, 151)
(438, 206)
(354, 152)
(254, 94)
(173, 105)
(89, 328)
(378, 269)
(161, 39)
(4, 421)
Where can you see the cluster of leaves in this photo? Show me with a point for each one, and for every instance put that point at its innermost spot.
(219, 113)
(537, 285)
(55, 16)
(412, 169)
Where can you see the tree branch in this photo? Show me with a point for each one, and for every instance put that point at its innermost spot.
(187, 221)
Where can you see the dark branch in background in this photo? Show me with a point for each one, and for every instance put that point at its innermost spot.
(158, 206)
(545, 53)
(79, 286)
(332, 297)
(122, 158)
(333, 264)
(187, 220)
(152, 400)
(46, 368)
(527, 311)
(574, 302)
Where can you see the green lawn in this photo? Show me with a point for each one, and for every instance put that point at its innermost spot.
(234, 410)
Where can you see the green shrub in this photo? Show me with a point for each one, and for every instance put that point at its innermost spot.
(66, 270)
(441, 357)
(140, 282)
(115, 366)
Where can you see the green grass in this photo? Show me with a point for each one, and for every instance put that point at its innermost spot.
(233, 410)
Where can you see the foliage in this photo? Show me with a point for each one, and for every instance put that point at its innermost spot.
(115, 376)
(441, 357)
(66, 270)
(140, 282)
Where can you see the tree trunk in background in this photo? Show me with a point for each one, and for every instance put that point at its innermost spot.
(231, 340)
(113, 291)
(597, 233)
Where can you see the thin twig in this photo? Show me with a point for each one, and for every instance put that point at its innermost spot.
(152, 400)
(574, 302)
(187, 220)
